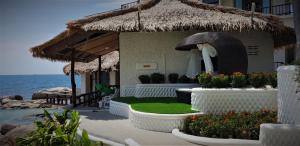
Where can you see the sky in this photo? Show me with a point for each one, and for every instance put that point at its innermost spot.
(28, 23)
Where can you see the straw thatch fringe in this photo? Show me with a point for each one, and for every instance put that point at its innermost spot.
(109, 62)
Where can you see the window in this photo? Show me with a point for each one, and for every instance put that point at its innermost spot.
(211, 1)
(260, 5)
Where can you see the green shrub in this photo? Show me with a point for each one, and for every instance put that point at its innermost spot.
(57, 130)
(173, 78)
(104, 89)
(144, 79)
(257, 80)
(220, 81)
(231, 125)
(205, 79)
(157, 78)
(184, 79)
(239, 80)
(271, 79)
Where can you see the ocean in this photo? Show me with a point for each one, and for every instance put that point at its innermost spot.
(25, 85)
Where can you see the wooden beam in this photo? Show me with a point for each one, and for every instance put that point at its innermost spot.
(98, 41)
(73, 83)
(99, 69)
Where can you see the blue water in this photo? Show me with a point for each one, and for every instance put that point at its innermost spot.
(25, 85)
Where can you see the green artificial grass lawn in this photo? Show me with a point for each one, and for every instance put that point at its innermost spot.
(161, 105)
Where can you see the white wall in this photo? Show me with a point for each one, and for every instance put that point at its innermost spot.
(83, 83)
(142, 47)
(263, 62)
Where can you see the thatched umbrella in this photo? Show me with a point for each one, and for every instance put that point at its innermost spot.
(231, 53)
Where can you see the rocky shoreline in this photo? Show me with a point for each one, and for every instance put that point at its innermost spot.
(9, 133)
(17, 102)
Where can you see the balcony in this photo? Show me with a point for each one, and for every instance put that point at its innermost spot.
(282, 9)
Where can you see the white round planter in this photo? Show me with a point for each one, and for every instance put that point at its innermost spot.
(158, 122)
(149, 121)
(214, 141)
(218, 101)
(119, 109)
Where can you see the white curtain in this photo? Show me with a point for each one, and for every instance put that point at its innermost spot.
(207, 52)
(194, 66)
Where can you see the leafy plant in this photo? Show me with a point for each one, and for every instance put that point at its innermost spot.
(144, 79)
(257, 80)
(184, 79)
(271, 79)
(243, 125)
(220, 81)
(239, 80)
(104, 88)
(157, 78)
(205, 79)
(173, 78)
(57, 130)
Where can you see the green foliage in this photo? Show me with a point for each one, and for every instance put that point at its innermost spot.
(205, 79)
(104, 88)
(220, 81)
(230, 125)
(173, 78)
(144, 79)
(271, 79)
(157, 78)
(239, 80)
(257, 80)
(57, 130)
(184, 79)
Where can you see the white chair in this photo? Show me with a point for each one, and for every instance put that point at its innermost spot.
(104, 103)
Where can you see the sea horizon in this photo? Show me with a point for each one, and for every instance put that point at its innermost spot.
(26, 85)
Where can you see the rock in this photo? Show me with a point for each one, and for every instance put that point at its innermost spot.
(42, 94)
(6, 128)
(19, 104)
(14, 97)
(19, 132)
(5, 141)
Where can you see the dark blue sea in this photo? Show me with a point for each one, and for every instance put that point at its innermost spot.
(25, 85)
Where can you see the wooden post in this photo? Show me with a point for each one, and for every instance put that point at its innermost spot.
(73, 78)
(99, 70)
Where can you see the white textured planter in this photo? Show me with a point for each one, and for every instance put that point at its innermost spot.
(214, 141)
(288, 99)
(127, 91)
(159, 90)
(218, 101)
(158, 122)
(119, 109)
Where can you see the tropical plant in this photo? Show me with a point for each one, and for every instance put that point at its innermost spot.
(184, 79)
(272, 79)
(144, 79)
(57, 130)
(257, 80)
(239, 80)
(157, 78)
(220, 81)
(205, 79)
(173, 78)
(243, 125)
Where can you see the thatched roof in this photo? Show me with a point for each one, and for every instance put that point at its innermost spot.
(179, 15)
(109, 62)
